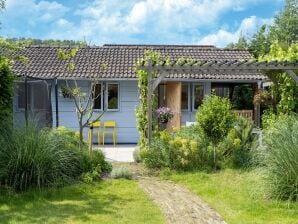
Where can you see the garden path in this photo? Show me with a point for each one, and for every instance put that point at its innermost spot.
(179, 205)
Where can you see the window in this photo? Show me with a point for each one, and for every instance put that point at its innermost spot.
(221, 91)
(112, 96)
(198, 96)
(185, 97)
(162, 95)
(97, 96)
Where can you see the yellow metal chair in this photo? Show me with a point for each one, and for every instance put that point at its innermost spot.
(109, 127)
(94, 124)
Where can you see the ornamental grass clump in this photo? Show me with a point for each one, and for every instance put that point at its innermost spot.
(280, 158)
(33, 158)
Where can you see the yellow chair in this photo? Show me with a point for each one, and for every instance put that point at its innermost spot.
(109, 125)
(94, 124)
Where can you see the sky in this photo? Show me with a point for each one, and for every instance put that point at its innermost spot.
(202, 22)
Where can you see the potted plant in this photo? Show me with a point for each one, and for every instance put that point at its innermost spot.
(164, 114)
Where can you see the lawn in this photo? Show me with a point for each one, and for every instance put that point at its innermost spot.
(110, 201)
(238, 197)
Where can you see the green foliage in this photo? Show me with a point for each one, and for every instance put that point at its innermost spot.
(268, 118)
(260, 44)
(280, 157)
(236, 148)
(242, 97)
(43, 158)
(30, 158)
(285, 26)
(215, 118)
(284, 89)
(136, 156)
(142, 109)
(178, 151)
(49, 42)
(121, 172)
(6, 89)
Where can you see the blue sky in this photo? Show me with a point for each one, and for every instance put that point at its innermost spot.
(212, 22)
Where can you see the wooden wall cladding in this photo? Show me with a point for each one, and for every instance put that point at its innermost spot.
(173, 99)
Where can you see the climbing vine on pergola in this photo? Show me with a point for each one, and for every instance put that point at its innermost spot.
(153, 69)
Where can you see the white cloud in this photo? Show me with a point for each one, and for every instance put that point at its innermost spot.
(129, 21)
(247, 28)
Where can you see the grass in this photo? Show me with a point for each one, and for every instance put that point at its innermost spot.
(110, 201)
(238, 197)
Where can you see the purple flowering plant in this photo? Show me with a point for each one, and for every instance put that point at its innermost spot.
(164, 114)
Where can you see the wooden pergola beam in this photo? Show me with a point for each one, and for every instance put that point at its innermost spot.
(195, 67)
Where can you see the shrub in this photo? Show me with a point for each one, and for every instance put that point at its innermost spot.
(42, 158)
(136, 155)
(121, 172)
(6, 89)
(237, 146)
(176, 151)
(215, 119)
(280, 157)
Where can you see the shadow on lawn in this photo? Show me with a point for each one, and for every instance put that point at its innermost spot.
(59, 205)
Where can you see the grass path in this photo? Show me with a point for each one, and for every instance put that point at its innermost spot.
(179, 205)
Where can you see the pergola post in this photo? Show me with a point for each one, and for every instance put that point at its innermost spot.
(149, 99)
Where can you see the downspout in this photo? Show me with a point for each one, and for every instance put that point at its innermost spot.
(56, 103)
(26, 100)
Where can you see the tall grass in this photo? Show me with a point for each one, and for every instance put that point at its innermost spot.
(29, 157)
(281, 158)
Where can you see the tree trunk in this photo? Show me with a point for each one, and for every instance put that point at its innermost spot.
(81, 132)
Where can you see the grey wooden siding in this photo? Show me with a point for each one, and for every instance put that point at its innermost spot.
(125, 117)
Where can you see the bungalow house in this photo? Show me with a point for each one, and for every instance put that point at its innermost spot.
(183, 93)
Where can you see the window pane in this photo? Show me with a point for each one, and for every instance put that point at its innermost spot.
(184, 97)
(113, 96)
(198, 95)
(97, 97)
(221, 91)
(161, 95)
(21, 95)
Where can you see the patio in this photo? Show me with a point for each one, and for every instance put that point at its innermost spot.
(118, 153)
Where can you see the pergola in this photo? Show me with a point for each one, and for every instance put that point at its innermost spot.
(163, 69)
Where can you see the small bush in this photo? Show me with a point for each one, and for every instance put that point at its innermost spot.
(236, 148)
(121, 172)
(137, 156)
(176, 152)
(280, 157)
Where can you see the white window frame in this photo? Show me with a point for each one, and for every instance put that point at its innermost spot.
(106, 96)
(101, 94)
(188, 96)
(193, 93)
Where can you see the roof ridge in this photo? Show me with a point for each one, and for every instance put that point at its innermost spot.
(158, 46)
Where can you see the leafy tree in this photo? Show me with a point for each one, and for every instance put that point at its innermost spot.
(260, 43)
(285, 26)
(240, 44)
(49, 42)
(84, 102)
(215, 119)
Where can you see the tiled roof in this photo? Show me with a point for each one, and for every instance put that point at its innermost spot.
(121, 59)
